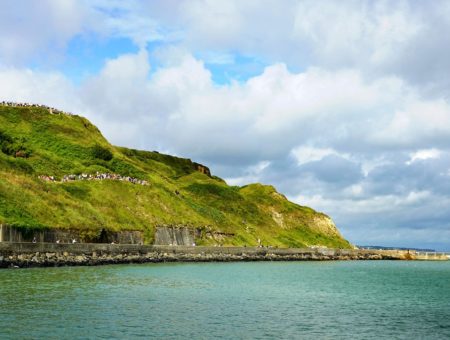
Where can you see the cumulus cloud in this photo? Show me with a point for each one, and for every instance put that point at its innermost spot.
(306, 154)
(356, 32)
(380, 38)
(402, 39)
(30, 29)
(25, 85)
(251, 174)
(423, 155)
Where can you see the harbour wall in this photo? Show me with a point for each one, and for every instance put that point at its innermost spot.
(27, 254)
(431, 256)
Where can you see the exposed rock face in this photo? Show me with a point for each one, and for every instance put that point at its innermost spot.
(203, 169)
(207, 232)
(278, 218)
(326, 225)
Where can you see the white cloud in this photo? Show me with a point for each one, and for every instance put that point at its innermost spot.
(30, 28)
(424, 155)
(379, 38)
(251, 174)
(126, 19)
(306, 154)
(25, 85)
(417, 121)
(415, 197)
(272, 115)
(355, 190)
(356, 32)
(215, 23)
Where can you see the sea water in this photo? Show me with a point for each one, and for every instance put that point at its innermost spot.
(259, 300)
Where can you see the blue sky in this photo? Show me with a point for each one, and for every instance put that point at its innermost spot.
(86, 55)
(343, 106)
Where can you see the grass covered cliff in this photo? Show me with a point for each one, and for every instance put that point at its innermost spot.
(35, 142)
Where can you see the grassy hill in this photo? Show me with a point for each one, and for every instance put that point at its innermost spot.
(35, 142)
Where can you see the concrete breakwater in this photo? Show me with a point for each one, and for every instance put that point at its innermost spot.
(51, 254)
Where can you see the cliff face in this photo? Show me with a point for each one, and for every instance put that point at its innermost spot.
(325, 225)
(58, 172)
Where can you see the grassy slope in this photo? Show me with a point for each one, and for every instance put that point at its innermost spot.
(59, 144)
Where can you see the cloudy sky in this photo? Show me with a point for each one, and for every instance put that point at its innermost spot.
(342, 105)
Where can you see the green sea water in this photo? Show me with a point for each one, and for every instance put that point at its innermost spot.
(261, 300)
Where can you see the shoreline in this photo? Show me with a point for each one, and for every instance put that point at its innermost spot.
(27, 255)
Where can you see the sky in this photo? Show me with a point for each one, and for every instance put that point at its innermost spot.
(343, 106)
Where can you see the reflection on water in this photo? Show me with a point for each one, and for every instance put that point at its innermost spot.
(231, 300)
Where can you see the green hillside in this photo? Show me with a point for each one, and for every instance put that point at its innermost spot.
(35, 142)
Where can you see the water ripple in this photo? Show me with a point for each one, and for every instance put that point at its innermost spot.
(326, 300)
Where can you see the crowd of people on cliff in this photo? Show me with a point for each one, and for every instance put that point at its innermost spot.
(50, 109)
(97, 177)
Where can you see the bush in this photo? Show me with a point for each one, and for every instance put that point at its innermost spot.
(125, 169)
(4, 138)
(13, 147)
(102, 153)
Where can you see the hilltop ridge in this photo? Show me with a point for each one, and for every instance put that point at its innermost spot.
(58, 171)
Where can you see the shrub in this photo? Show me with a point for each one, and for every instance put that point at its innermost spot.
(125, 169)
(13, 147)
(102, 153)
(4, 138)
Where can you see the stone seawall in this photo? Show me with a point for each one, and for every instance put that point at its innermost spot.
(51, 254)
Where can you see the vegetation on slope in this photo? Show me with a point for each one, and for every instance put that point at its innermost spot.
(34, 142)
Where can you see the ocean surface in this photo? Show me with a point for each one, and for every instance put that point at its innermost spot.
(260, 300)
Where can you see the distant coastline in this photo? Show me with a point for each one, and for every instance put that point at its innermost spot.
(396, 248)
